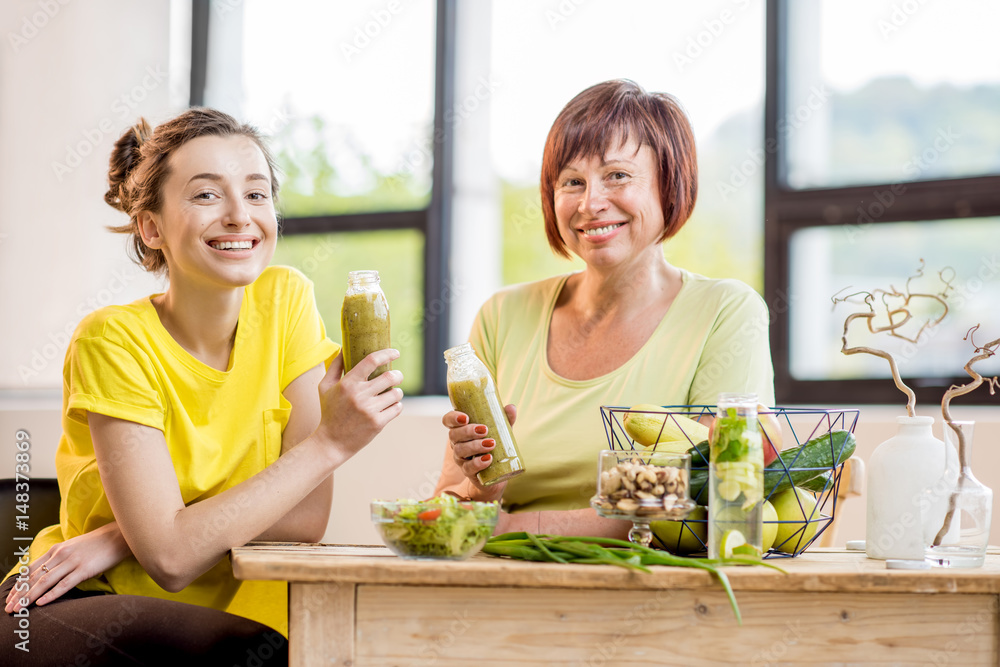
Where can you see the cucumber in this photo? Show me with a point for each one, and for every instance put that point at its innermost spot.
(809, 462)
(819, 483)
(808, 466)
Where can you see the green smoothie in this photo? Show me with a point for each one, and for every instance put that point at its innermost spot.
(364, 325)
(478, 399)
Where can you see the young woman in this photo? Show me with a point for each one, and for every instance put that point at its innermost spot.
(194, 421)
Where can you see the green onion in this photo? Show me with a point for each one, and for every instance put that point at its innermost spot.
(609, 551)
(541, 547)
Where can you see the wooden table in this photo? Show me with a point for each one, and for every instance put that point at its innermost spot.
(362, 606)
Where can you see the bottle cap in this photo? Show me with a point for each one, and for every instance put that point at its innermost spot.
(855, 545)
(900, 564)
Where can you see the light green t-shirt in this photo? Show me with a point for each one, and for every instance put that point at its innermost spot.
(713, 339)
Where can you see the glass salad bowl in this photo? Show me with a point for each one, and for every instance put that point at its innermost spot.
(643, 486)
(442, 528)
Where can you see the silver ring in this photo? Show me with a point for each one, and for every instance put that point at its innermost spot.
(45, 569)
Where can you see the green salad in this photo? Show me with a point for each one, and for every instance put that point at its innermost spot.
(442, 527)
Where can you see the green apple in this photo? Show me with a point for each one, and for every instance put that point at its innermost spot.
(770, 528)
(683, 538)
(796, 507)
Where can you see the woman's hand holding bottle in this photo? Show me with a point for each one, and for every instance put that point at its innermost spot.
(355, 409)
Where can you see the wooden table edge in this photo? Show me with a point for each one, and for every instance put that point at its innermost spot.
(825, 570)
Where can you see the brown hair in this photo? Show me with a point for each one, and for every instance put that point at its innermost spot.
(140, 163)
(616, 111)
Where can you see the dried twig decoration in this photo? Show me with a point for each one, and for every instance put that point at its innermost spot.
(982, 352)
(897, 316)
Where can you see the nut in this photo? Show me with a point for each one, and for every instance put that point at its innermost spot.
(628, 505)
(646, 477)
(611, 480)
(636, 487)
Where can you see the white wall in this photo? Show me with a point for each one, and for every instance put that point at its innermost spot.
(477, 227)
(73, 77)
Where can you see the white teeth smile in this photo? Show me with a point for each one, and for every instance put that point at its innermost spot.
(602, 230)
(231, 245)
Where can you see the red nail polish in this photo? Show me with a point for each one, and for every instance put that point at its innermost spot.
(463, 420)
(489, 443)
(481, 430)
(487, 458)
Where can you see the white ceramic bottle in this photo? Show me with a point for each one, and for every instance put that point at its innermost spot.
(899, 471)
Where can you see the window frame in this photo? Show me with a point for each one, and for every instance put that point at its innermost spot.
(434, 221)
(787, 210)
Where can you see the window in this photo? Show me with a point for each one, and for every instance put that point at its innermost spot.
(542, 53)
(362, 174)
(883, 150)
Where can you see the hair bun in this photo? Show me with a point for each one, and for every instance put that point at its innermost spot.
(125, 155)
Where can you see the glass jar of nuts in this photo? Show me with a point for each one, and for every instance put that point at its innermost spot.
(642, 487)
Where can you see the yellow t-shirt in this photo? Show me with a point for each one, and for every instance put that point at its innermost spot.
(221, 427)
(713, 339)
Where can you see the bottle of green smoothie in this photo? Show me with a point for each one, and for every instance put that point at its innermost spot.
(364, 320)
(472, 391)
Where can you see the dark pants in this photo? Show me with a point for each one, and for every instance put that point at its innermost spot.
(86, 629)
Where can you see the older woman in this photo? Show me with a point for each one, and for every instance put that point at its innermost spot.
(619, 177)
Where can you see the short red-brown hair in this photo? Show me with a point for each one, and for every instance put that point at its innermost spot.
(620, 110)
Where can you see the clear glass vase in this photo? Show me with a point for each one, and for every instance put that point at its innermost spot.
(957, 527)
(736, 480)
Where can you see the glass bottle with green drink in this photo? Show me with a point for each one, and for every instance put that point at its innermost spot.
(472, 390)
(364, 320)
(736, 480)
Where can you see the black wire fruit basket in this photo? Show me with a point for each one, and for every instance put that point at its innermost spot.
(805, 476)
